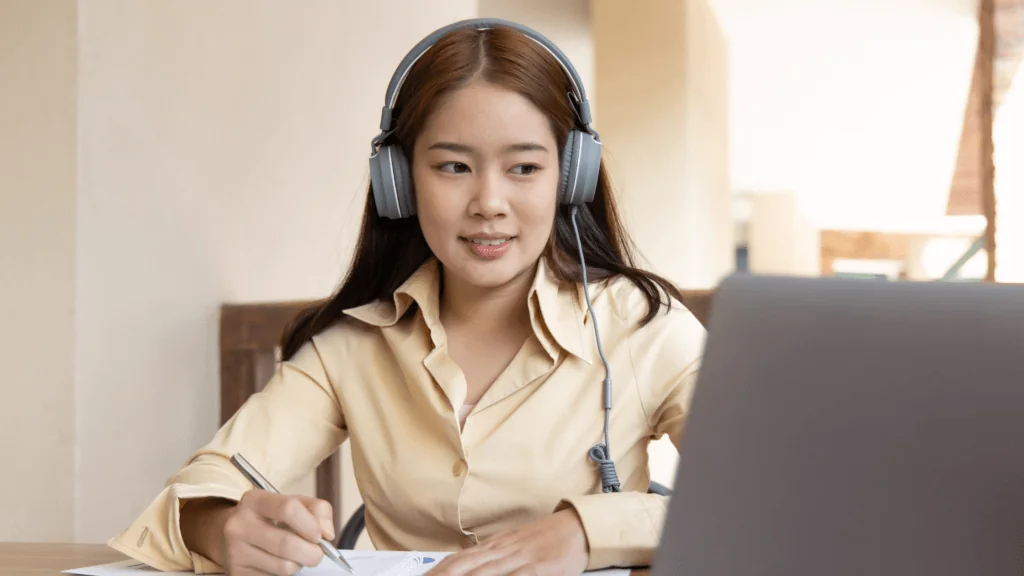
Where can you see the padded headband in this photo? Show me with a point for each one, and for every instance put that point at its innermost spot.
(398, 78)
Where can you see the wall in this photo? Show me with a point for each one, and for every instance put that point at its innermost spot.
(37, 258)
(223, 155)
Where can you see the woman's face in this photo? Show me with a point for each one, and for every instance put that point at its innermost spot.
(485, 170)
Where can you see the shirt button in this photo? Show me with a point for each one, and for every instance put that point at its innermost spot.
(460, 468)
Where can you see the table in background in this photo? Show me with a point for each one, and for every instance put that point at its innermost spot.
(18, 559)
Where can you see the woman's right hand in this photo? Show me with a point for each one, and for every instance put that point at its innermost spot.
(265, 533)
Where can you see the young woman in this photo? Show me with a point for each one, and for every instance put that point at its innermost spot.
(459, 356)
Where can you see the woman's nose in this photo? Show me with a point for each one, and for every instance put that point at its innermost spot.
(490, 200)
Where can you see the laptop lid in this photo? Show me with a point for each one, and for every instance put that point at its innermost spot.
(853, 427)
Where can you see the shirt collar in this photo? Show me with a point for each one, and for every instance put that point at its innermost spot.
(557, 309)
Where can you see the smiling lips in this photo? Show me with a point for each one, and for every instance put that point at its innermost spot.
(489, 247)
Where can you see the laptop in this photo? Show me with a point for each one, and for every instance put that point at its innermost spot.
(846, 427)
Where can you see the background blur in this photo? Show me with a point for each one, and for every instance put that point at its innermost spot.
(161, 158)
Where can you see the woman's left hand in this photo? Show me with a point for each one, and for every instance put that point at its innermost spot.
(555, 545)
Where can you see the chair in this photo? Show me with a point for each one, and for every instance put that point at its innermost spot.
(354, 527)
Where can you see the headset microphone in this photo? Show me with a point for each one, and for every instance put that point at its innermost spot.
(391, 181)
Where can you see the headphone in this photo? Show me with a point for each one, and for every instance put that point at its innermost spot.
(581, 163)
(390, 175)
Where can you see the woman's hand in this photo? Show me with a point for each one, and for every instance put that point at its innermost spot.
(265, 533)
(555, 545)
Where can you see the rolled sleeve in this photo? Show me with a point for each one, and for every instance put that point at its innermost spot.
(155, 536)
(622, 528)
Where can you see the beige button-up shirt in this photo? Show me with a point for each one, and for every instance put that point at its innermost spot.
(382, 379)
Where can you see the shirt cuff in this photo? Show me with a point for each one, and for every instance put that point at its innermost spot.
(155, 537)
(622, 528)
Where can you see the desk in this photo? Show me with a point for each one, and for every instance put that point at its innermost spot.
(52, 559)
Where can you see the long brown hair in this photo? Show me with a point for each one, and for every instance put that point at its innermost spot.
(389, 251)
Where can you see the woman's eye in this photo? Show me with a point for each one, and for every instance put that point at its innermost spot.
(525, 169)
(453, 168)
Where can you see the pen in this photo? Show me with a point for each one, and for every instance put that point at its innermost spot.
(262, 483)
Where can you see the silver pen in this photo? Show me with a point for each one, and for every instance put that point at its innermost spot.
(262, 483)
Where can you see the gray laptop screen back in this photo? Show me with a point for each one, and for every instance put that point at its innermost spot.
(853, 427)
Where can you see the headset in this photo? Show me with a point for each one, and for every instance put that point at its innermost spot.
(391, 181)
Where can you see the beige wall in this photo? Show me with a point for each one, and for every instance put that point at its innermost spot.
(37, 268)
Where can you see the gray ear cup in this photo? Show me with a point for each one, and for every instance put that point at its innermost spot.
(581, 164)
(589, 168)
(568, 161)
(391, 183)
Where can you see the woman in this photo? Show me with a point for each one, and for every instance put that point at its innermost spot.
(458, 357)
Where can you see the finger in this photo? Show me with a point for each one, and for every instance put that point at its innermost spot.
(260, 562)
(285, 544)
(324, 513)
(288, 510)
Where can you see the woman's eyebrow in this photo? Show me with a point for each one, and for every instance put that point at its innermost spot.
(451, 147)
(464, 149)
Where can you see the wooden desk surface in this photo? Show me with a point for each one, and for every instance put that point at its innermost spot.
(52, 559)
(18, 559)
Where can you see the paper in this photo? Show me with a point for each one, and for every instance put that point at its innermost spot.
(371, 563)
(383, 563)
(366, 563)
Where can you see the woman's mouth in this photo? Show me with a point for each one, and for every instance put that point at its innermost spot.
(489, 248)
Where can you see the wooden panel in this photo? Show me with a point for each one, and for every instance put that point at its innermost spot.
(328, 486)
(257, 326)
(249, 337)
(837, 244)
(997, 62)
(847, 245)
(38, 559)
(237, 380)
(698, 302)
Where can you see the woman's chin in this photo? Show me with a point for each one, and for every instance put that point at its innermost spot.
(491, 274)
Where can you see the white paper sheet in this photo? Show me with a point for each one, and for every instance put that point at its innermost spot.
(366, 563)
